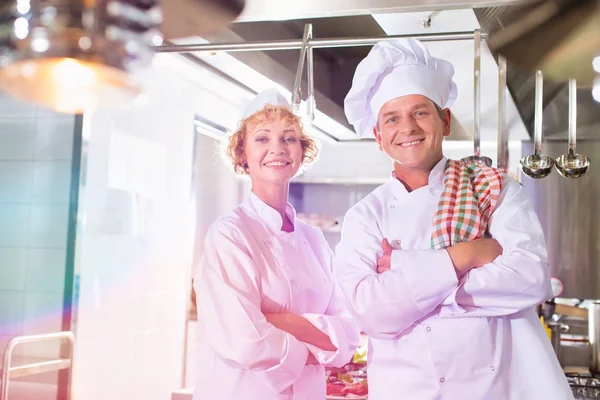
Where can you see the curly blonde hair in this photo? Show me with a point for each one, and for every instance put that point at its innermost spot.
(237, 141)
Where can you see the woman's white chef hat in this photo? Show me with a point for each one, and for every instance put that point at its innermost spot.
(393, 69)
(269, 96)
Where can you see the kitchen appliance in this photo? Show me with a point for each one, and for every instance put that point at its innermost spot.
(585, 386)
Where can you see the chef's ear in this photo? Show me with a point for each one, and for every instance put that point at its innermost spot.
(446, 116)
(377, 137)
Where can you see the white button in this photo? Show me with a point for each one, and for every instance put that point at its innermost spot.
(492, 368)
(442, 380)
(428, 329)
(392, 206)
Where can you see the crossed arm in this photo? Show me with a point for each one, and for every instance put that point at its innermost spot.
(419, 281)
(274, 346)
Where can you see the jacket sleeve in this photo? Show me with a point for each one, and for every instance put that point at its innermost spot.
(228, 301)
(336, 323)
(386, 304)
(516, 280)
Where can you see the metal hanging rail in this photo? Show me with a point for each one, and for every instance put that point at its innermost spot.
(312, 44)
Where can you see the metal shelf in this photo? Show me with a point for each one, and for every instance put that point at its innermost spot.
(38, 366)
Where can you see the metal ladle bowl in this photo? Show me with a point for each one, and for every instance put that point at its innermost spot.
(478, 160)
(572, 165)
(537, 166)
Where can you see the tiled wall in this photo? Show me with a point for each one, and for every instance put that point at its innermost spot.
(36, 148)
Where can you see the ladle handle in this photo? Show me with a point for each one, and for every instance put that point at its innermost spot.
(538, 112)
(572, 116)
(477, 92)
(502, 131)
(310, 76)
(296, 92)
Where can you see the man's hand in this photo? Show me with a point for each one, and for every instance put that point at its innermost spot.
(383, 261)
(468, 255)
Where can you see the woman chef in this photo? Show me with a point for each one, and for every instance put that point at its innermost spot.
(268, 310)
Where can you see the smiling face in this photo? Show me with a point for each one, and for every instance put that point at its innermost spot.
(273, 152)
(270, 146)
(410, 130)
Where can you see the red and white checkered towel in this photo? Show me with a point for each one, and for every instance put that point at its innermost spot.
(468, 199)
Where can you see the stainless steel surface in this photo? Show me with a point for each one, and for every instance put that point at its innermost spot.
(184, 18)
(569, 211)
(315, 43)
(296, 95)
(557, 329)
(477, 92)
(537, 166)
(559, 37)
(572, 165)
(521, 83)
(8, 371)
(594, 336)
(502, 129)
(310, 76)
(427, 20)
(476, 158)
(584, 386)
(273, 10)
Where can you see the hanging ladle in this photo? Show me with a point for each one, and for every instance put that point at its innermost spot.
(572, 165)
(476, 158)
(537, 166)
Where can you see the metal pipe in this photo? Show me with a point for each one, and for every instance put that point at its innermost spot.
(594, 336)
(296, 97)
(477, 93)
(427, 20)
(502, 131)
(315, 43)
(537, 118)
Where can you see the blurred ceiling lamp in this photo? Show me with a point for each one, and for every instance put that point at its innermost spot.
(79, 55)
(559, 37)
(76, 55)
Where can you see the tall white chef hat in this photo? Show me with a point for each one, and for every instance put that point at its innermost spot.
(393, 69)
(269, 96)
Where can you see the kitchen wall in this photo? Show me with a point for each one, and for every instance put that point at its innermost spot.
(363, 161)
(36, 147)
(136, 231)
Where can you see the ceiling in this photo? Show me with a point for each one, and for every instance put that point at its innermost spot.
(266, 20)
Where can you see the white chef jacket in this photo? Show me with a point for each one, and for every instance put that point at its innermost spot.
(251, 267)
(431, 336)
